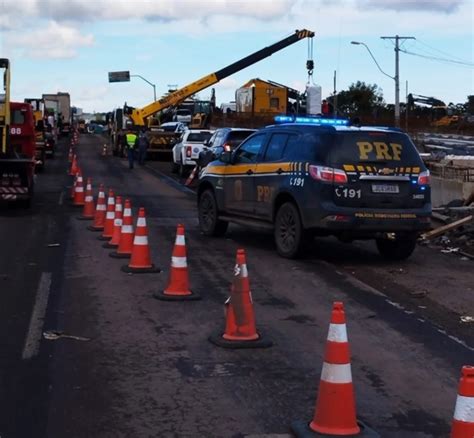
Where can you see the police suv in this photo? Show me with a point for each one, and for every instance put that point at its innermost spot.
(314, 176)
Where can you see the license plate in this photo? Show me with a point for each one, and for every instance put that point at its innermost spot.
(385, 188)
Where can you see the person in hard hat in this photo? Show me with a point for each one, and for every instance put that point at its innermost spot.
(142, 144)
(130, 141)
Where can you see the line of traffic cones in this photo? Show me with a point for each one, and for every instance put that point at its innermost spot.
(125, 246)
(79, 197)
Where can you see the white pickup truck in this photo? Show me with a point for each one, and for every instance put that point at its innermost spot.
(186, 152)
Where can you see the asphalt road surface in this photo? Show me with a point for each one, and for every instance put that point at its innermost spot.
(133, 366)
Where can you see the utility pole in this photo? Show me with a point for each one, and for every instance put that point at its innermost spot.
(397, 76)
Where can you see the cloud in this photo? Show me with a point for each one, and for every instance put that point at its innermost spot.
(55, 41)
(163, 10)
(445, 6)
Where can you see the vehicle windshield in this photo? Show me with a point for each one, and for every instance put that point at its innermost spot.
(198, 137)
(169, 128)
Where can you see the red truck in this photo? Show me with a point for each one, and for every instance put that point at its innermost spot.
(17, 147)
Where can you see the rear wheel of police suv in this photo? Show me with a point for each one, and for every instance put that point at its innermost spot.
(399, 248)
(289, 234)
(209, 222)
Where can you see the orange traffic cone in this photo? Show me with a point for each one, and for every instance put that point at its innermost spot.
(140, 261)
(99, 217)
(240, 330)
(74, 166)
(191, 176)
(125, 246)
(335, 412)
(79, 198)
(463, 420)
(178, 285)
(109, 217)
(104, 150)
(89, 209)
(69, 158)
(114, 241)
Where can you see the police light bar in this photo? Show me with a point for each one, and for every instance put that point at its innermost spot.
(312, 120)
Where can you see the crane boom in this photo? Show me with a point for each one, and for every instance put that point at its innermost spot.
(138, 115)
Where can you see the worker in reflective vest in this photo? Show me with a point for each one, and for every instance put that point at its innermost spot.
(130, 139)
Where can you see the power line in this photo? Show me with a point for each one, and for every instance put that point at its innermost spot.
(439, 51)
(435, 58)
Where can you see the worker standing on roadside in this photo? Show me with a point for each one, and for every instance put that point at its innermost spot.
(130, 140)
(142, 144)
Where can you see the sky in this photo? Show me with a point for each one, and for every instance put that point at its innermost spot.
(71, 45)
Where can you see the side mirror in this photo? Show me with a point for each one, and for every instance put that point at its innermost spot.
(206, 142)
(226, 157)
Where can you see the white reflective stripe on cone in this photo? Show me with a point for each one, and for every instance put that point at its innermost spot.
(118, 207)
(127, 212)
(179, 239)
(243, 270)
(79, 189)
(464, 410)
(141, 222)
(89, 198)
(88, 187)
(101, 207)
(337, 333)
(140, 240)
(178, 262)
(101, 195)
(127, 229)
(110, 215)
(332, 373)
(118, 222)
(111, 201)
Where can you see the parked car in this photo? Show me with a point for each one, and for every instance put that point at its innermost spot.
(186, 152)
(223, 138)
(321, 177)
(183, 115)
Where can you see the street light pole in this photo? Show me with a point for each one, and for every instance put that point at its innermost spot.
(397, 102)
(147, 81)
(396, 78)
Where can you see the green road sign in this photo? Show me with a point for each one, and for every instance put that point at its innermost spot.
(119, 76)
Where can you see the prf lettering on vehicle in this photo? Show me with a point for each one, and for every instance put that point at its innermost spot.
(264, 193)
(379, 150)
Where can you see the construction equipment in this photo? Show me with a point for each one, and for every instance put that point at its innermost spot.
(17, 147)
(440, 115)
(139, 116)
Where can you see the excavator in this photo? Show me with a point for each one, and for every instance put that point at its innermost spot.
(158, 140)
(439, 110)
